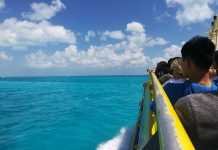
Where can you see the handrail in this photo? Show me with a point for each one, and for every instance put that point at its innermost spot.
(172, 135)
(145, 117)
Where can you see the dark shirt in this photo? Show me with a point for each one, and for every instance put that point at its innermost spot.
(199, 115)
(176, 89)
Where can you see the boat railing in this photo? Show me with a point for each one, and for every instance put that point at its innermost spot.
(172, 135)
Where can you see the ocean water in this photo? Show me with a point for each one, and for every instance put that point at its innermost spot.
(68, 113)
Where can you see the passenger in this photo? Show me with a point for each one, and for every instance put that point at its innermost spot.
(176, 71)
(176, 68)
(165, 78)
(162, 72)
(161, 69)
(197, 55)
(171, 60)
(199, 116)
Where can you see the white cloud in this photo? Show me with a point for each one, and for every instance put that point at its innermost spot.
(21, 34)
(128, 52)
(118, 35)
(169, 52)
(106, 56)
(42, 60)
(90, 34)
(2, 4)
(156, 41)
(155, 60)
(192, 11)
(43, 11)
(139, 37)
(172, 51)
(135, 27)
(4, 56)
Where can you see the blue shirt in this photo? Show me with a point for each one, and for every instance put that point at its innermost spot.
(215, 80)
(176, 90)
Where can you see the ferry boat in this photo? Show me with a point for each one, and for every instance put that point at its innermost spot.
(171, 133)
(213, 31)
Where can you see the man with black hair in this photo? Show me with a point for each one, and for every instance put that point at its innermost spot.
(197, 56)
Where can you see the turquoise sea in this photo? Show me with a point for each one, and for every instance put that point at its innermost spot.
(67, 113)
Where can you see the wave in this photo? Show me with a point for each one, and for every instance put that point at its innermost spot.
(119, 142)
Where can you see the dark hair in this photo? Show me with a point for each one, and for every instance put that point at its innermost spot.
(200, 51)
(215, 58)
(162, 68)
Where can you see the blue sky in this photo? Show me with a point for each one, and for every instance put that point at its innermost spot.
(96, 37)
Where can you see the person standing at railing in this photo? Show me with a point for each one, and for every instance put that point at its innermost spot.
(197, 56)
(162, 71)
(176, 69)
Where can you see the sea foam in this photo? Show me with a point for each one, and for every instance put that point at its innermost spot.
(119, 142)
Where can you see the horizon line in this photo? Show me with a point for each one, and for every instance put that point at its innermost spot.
(23, 76)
